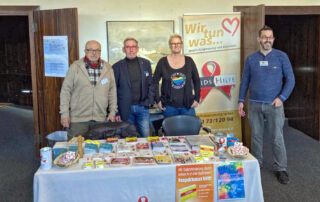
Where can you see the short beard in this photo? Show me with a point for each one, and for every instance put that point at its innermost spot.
(263, 47)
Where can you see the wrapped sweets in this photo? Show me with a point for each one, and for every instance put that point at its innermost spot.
(98, 164)
(153, 138)
(239, 149)
(143, 161)
(120, 162)
(174, 140)
(163, 159)
(85, 158)
(231, 141)
(125, 148)
(112, 139)
(161, 153)
(90, 148)
(146, 153)
(88, 165)
(68, 157)
(121, 154)
(157, 146)
(132, 154)
(209, 150)
(179, 147)
(108, 156)
(73, 148)
(142, 145)
(182, 158)
(97, 156)
(131, 139)
(105, 148)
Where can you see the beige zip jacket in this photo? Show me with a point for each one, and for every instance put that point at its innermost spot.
(82, 102)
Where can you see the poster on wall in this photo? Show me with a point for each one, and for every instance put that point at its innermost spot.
(152, 37)
(56, 57)
(213, 41)
(194, 183)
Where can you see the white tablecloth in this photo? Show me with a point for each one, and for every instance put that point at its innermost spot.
(121, 184)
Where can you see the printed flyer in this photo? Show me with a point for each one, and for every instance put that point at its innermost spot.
(194, 183)
(231, 181)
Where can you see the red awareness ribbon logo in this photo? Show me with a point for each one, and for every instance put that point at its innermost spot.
(143, 199)
(216, 71)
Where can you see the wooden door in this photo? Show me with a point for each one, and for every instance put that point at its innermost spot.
(252, 20)
(302, 47)
(58, 22)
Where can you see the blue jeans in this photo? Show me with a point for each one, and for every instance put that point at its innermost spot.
(267, 119)
(173, 111)
(140, 116)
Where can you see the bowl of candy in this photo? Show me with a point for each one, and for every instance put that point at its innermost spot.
(67, 159)
(238, 150)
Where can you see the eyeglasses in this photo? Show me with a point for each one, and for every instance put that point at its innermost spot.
(176, 44)
(93, 50)
(131, 47)
(267, 37)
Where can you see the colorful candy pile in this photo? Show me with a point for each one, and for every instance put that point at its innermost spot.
(239, 149)
(68, 157)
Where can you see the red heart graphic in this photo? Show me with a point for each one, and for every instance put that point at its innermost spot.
(231, 22)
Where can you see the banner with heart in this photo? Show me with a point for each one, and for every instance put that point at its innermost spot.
(231, 26)
(213, 33)
(213, 42)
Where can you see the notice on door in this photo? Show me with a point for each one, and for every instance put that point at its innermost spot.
(194, 183)
(56, 59)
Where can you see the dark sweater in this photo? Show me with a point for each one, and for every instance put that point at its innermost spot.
(177, 84)
(135, 79)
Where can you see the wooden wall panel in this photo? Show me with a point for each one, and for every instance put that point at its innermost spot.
(298, 36)
(252, 19)
(53, 23)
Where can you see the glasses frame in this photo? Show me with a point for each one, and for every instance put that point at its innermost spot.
(93, 50)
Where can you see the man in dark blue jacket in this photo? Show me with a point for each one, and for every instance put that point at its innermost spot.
(269, 76)
(135, 87)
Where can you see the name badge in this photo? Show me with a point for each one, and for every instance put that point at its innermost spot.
(104, 81)
(146, 73)
(264, 63)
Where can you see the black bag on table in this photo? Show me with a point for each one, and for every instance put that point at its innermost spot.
(111, 129)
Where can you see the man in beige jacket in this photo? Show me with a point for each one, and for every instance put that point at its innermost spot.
(87, 92)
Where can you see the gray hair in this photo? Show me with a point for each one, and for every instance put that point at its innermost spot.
(129, 39)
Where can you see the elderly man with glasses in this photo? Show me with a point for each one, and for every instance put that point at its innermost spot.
(135, 87)
(88, 90)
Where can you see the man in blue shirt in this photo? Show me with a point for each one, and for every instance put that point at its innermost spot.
(264, 73)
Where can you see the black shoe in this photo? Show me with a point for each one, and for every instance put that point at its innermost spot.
(283, 177)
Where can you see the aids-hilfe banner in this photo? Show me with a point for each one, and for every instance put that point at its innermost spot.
(213, 41)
